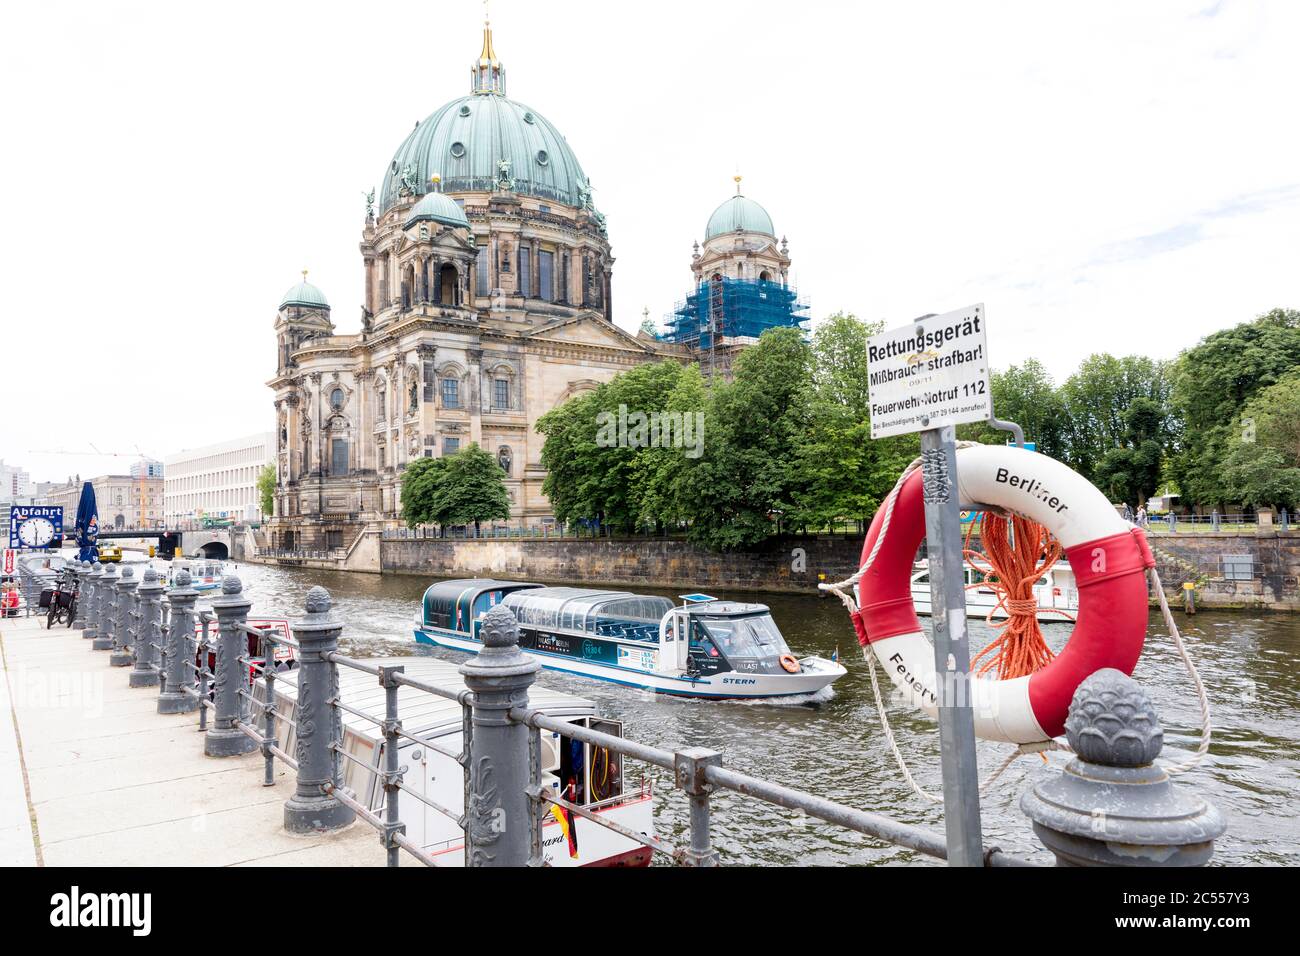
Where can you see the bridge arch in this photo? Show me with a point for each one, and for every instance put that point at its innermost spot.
(216, 550)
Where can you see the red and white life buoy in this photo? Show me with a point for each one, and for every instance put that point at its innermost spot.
(1109, 557)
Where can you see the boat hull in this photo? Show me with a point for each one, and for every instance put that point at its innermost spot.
(726, 685)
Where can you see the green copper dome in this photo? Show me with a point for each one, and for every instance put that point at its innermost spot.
(465, 140)
(738, 212)
(305, 294)
(486, 142)
(437, 207)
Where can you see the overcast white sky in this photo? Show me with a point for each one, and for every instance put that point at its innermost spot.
(1104, 176)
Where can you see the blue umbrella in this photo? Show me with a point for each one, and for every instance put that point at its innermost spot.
(87, 524)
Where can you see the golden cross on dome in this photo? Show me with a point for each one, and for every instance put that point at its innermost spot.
(737, 178)
(304, 275)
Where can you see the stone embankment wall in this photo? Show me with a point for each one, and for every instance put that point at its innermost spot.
(1214, 564)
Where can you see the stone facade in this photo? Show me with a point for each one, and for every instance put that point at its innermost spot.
(477, 321)
(123, 502)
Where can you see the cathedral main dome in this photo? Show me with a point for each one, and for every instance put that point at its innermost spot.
(467, 140)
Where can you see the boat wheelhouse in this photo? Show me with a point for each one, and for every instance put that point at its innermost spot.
(1056, 592)
(703, 647)
(590, 776)
(205, 574)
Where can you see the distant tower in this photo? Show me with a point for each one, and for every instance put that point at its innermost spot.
(304, 314)
(741, 286)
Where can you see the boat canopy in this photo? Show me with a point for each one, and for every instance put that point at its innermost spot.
(456, 604)
(581, 609)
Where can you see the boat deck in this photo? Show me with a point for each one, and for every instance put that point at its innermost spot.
(92, 775)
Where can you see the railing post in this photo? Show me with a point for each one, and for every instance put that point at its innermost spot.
(90, 623)
(106, 605)
(80, 571)
(224, 738)
(149, 594)
(392, 770)
(689, 766)
(1113, 805)
(179, 648)
(125, 587)
(319, 724)
(496, 818)
(204, 646)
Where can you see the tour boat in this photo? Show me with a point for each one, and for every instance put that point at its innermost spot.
(1056, 591)
(704, 647)
(589, 776)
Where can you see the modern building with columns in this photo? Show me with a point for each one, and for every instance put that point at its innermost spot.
(488, 302)
(217, 481)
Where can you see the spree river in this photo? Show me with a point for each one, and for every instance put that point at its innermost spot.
(836, 749)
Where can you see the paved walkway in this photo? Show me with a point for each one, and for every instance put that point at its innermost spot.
(91, 774)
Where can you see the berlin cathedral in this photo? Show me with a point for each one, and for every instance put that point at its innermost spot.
(488, 302)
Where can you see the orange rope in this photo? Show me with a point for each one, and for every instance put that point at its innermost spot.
(1015, 563)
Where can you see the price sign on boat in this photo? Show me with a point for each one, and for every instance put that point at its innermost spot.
(930, 373)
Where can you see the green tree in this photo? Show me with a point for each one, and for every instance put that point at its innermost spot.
(1026, 395)
(1131, 471)
(1095, 400)
(1212, 383)
(422, 486)
(744, 483)
(472, 490)
(266, 490)
(1262, 463)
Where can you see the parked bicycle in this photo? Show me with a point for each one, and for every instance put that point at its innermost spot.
(61, 600)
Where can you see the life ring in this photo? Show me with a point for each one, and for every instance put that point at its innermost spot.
(1109, 558)
(790, 663)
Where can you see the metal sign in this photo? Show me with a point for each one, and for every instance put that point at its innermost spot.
(10, 563)
(931, 373)
(278, 626)
(34, 527)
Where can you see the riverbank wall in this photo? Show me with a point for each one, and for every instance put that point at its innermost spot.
(1249, 571)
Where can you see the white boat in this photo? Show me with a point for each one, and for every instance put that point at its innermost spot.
(205, 574)
(704, 647)
(1056, 591)
(599, 782)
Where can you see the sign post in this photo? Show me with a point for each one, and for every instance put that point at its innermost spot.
(929, 377)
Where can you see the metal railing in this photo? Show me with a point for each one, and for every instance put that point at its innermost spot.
(240, 712)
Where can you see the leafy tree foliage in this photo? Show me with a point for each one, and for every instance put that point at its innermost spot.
(266, 489)
(1262, 464)
(467, 487)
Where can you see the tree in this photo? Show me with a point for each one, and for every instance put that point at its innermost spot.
(1262, 463)
(473, 489)
(266, 490)
(1026, 395)
(1212, 383)
(1131, 472)
(1095, 400)
(423, 483)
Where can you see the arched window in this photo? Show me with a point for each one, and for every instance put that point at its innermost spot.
(336, 399)
(506, 460)
(381, 402)
(764, 276)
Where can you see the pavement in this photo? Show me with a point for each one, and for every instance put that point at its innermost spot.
(92, 775)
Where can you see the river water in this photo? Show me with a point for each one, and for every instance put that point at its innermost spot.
(836, 748)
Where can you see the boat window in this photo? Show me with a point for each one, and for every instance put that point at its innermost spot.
(756, 636)
(923, 579)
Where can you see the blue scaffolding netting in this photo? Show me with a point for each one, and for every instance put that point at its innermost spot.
(734, 308)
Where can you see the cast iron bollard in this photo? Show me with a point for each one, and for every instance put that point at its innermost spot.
(91, 600)
(318, 724)
(496, 818)
(107, 603)
(179, 648)
(123, 626)
(79, 571)
(147, 632)
(224, 738)
(1113, 805)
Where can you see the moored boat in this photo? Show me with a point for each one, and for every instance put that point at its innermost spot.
(704, 647)
(590, 776)
(205, 574)
(1056, 592)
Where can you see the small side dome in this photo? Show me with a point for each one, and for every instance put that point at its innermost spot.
(306, 295)
(739, 212)
(437, 207)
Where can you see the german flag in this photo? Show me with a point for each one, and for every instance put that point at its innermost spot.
(565, 817)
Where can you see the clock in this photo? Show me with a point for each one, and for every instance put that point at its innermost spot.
(36, 532)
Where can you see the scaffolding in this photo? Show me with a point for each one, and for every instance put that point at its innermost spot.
(726, 312)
